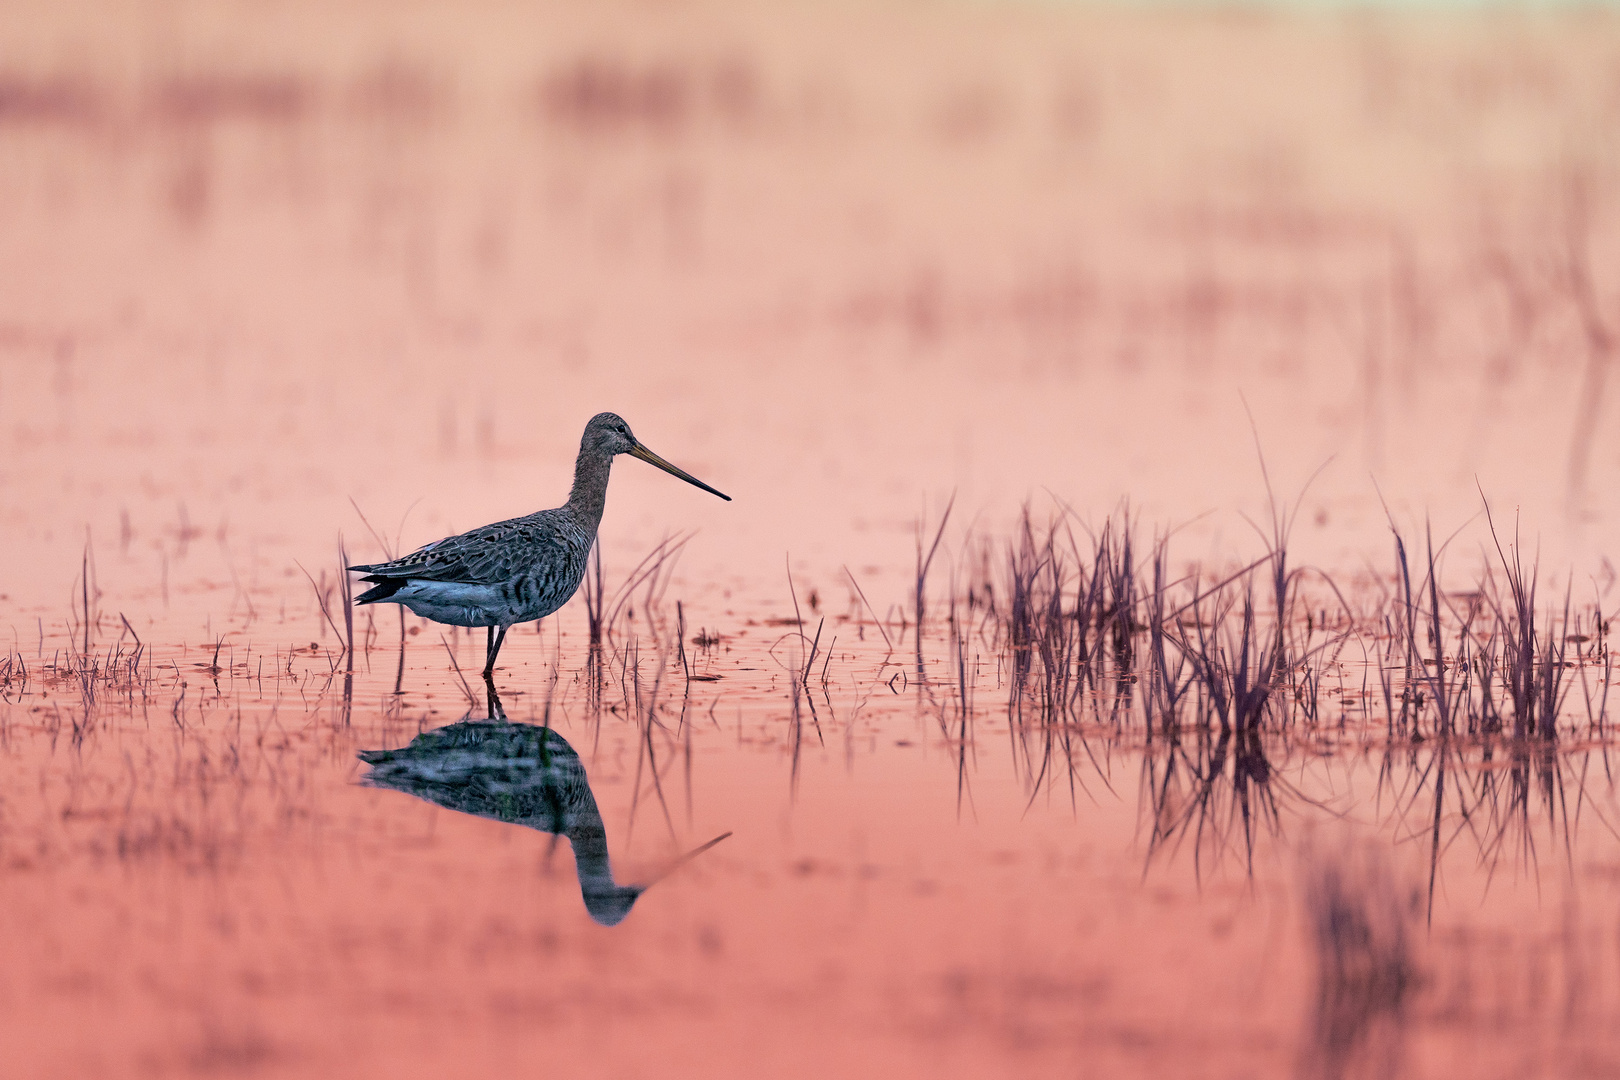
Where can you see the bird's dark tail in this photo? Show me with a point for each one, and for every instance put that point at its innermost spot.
(382, 589)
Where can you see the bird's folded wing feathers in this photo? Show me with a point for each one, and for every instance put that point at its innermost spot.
(485, 556)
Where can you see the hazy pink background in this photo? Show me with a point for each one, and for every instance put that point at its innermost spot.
(839, 261)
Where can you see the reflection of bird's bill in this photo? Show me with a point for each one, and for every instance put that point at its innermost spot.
(683, 860)
(651, 458)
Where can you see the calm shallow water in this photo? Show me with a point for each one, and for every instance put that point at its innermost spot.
(258, 282)
(206, 869)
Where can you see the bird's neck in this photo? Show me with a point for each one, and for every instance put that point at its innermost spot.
(589, 493)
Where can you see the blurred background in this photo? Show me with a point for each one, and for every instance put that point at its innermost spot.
(838, 260)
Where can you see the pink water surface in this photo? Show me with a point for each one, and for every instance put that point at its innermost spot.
(266, 269)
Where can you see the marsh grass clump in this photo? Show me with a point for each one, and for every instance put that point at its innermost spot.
(120, 670)
(1087, 630)
(13, 671)
(1232, 680)
(1489, 661)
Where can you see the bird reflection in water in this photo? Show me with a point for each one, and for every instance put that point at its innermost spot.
(524, 775)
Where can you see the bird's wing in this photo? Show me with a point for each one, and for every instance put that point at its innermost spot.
(484, 556)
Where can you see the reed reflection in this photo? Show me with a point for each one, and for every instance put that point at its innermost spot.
(1367, 971)
(1259, 698)
(1218, 789)
(521, 774)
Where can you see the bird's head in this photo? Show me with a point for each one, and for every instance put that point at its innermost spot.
(607, 435)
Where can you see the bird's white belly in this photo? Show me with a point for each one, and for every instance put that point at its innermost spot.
(459, 604)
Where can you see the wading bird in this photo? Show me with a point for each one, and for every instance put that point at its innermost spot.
(516, 570)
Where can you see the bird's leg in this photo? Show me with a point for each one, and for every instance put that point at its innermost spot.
(493, 650)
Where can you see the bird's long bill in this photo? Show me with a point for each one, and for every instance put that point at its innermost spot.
(653, 459)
